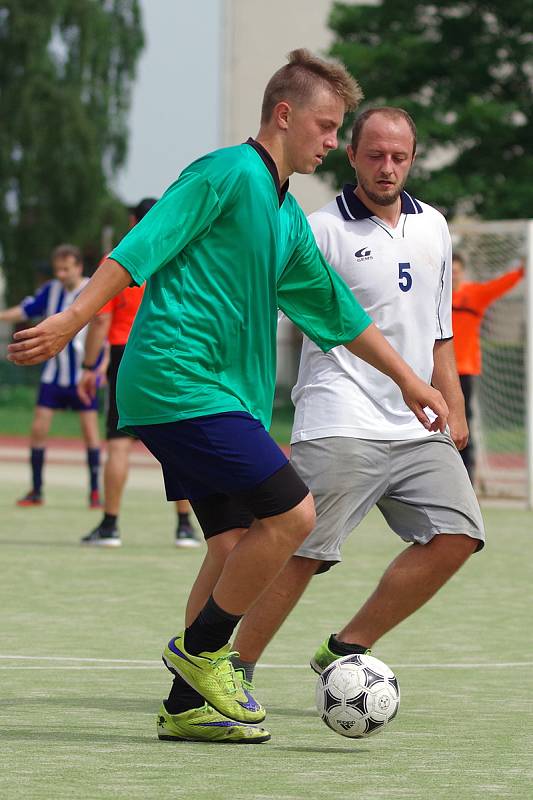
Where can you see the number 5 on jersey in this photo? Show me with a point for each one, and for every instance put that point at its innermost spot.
(405, 278)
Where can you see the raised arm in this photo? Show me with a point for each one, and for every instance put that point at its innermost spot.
(489, 291)
(34, 345)
(373, 348)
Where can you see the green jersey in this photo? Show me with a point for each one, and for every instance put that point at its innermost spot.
(220, 252)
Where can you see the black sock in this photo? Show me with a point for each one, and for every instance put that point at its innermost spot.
(183, 517)
(211, 629)
(344, 648)
(109, 522)
(182, 697)
(93, 462)
(37, 461)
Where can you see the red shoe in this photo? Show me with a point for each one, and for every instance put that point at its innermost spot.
(94, 499)
(31, 499)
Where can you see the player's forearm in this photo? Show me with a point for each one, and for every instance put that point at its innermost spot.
(96, 336)
(13, 314)
(445, 377)
(373, 348)
(108, 280)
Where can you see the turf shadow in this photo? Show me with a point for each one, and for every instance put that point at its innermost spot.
(124, 704)
(290, 712)
(73, 736)
(39, 543)
(351, 749)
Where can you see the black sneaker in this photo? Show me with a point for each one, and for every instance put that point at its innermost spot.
(31, 499)
(185, 536)
(102, 537)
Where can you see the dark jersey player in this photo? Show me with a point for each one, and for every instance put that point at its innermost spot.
(223, 249)
(113, 324)
(57, 386)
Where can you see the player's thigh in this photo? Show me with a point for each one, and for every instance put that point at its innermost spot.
(226, 453)
(430, 492)
(221, 517)
(228, 466)
(346, 477)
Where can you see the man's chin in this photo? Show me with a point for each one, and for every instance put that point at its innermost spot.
(384, 198)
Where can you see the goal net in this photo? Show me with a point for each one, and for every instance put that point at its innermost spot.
(500, 393)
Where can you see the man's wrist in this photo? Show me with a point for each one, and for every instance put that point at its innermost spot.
(90, 367)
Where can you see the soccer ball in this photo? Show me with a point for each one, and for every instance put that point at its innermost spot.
(357, 695)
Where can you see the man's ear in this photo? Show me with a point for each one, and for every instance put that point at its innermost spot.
(351, 155)
(281, 114)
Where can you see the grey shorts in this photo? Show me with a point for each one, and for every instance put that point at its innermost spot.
(420, 486)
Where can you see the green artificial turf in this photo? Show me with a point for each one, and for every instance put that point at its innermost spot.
(75, 728)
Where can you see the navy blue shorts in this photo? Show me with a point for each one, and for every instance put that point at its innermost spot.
(227, 465)
(63, 397)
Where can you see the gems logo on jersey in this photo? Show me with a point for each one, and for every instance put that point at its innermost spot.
(364, 254)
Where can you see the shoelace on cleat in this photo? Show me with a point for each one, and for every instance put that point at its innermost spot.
(248, 685)
(225, 671)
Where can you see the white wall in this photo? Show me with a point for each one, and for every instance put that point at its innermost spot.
(257, 38)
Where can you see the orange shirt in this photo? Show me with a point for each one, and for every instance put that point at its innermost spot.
(122, 308)
(469, 303)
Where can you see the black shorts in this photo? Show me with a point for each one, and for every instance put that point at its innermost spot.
(116, 351)
(277, 494)
(227, 466)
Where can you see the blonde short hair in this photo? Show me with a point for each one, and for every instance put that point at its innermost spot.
(298, 79)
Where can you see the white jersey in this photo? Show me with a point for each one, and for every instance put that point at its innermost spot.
(64, 369)
(402, 277)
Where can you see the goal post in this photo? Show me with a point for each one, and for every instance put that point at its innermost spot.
(502, 427)
(529, 366)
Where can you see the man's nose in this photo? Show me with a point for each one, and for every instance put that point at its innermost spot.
(331, 142)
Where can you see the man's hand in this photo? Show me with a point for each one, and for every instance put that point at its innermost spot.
(34, 345)
(88, 385)
(458, 429)
(45, 340)
(417, 395)
(373, 348)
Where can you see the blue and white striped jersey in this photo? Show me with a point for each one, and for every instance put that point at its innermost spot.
(65, 368)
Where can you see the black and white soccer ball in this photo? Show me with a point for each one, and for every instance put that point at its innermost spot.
(357, 696)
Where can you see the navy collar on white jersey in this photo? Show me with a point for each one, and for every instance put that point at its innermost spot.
(351, 207)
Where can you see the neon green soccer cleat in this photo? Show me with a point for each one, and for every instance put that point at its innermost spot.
(206, 725)
(213, 676)
(324, 657)
(242, 677)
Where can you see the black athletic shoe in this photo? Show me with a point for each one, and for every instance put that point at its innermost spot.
(185, 536)
(31, 499)
(102, 537)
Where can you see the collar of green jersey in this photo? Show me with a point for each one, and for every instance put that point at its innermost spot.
(271, 167)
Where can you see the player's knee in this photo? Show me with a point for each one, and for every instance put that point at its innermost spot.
(458, 546)
(468, 544)
(306, 518)
(220, 546)
(306, 566)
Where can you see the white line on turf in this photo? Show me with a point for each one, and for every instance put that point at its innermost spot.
(126, 663)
